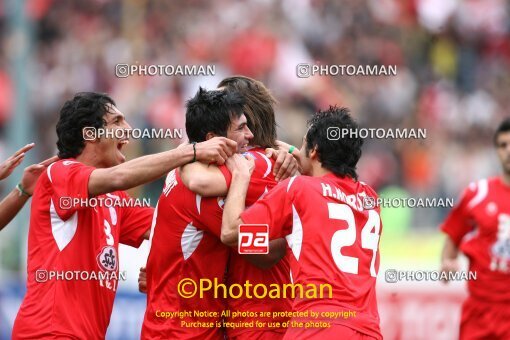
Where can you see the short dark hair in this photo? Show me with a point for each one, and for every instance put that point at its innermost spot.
(337, 155)
(259, 108)
(211, 111)
(86, 109)
(502, 128)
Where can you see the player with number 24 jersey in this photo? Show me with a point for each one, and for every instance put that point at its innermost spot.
(330, 227)
(334, 241)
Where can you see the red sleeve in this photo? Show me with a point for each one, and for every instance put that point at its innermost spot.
(226, 173)
(135, 222)
(263, 165)
(261, 173)
(211, 213)
(458, 222)
(69, 181)
(261, 180)
(275, 210)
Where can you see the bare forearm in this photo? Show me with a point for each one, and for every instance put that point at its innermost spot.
(450, 250)
(10, 206)
(202, 179)
(277, 250)
(234, 206)
(138, 171)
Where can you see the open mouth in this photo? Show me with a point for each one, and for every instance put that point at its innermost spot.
(121, 144)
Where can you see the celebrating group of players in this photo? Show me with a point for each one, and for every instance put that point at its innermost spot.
(195, 233)
(194, 225)
(319, 229)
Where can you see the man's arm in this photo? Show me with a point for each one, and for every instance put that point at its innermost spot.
(149, 168)
(7, 167)
(456, 225)
(235, 201)
(277, 250)
(14, 202)
(10, 206)
(449, 256)
(205, 180)
(208, 181)
(295, 154)
(142, 280)
(286, 164)
(147, 234)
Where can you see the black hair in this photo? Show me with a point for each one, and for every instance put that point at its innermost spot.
(211, 111)
(259, 108)
(502, 128)
(86, 109)
(339, 155)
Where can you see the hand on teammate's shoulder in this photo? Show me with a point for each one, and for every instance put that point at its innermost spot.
(215, 150)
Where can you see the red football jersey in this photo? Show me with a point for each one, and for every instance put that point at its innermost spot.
(240, 270)
(186, 244)
(334, 240)
(182, 247)
(65, 237)
(480, 226)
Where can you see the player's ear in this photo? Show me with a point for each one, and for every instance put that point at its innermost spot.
(210, 135)
(314, 154)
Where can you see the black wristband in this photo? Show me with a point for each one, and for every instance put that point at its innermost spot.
(194, 152)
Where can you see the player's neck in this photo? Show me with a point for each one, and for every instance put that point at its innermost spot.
(318, 170)
(89, 158)
(506, 179)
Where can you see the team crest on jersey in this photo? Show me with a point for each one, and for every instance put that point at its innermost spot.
(221, 202)
(107, 258)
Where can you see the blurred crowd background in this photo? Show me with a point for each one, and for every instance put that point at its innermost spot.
(453, 77)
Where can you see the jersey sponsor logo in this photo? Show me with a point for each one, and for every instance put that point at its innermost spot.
(107, 258)
(253, 239)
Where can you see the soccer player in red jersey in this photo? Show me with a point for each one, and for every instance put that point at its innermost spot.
(334, 239)
(65, 238)
(210, 181)
(479, 226)
(185, 242)
(12, 204)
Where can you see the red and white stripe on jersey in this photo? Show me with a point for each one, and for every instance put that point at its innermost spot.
(479, 225)
(334, 241)
(65, 237)
(241, 271)
(295, 238)
(481, 188)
